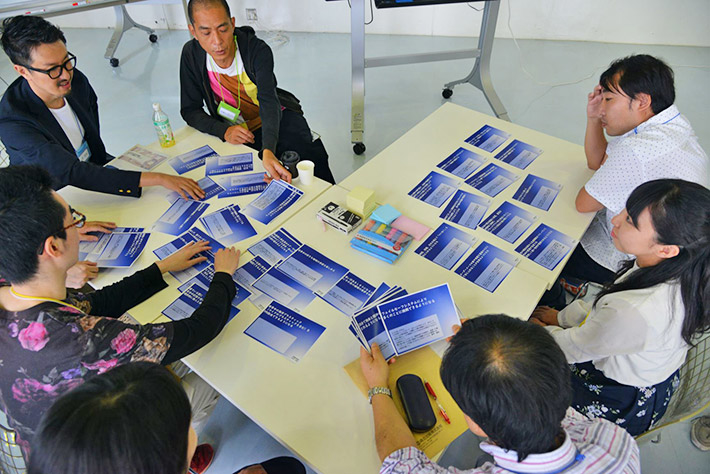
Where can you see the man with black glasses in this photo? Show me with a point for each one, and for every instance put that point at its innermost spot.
(49, 116)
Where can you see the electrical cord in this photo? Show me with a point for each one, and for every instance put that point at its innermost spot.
(372, 12)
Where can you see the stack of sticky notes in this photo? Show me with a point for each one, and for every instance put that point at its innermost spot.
(361, 201)
(385, 214)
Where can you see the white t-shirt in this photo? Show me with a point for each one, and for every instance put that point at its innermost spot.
(70, 123)
(664, 146)
(633, 337)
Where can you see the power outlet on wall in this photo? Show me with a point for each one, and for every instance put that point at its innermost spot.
(251, 14)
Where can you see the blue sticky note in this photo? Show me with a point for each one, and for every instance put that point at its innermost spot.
(385, 214)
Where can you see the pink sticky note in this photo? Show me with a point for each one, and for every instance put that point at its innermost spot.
(411, 227)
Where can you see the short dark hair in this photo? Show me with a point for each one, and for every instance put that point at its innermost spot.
(512, 379)
(205, 3)
(29, 214)
(136, 415)
(641, 74)
(21, 34)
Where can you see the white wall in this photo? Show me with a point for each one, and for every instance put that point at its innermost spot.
(671, 22)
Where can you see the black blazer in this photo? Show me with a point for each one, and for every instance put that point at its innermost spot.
(32, 136)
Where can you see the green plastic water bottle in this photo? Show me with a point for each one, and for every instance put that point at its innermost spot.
(161, 122)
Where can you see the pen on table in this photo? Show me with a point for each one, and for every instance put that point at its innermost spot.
(433, 395)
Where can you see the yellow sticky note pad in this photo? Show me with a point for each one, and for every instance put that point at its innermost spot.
(425, 363)
(361, 200)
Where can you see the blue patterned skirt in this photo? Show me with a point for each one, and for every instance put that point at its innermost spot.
(637, 409)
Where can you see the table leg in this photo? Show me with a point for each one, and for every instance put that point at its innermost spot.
(124, 22)
(357, 45)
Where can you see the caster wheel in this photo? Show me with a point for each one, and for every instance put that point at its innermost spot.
(447, 93)
(359, 148)
(153, 38)
(114, 62)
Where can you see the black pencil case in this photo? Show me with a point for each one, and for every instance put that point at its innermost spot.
(417, 407)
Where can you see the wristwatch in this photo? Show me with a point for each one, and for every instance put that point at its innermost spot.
(377, 391)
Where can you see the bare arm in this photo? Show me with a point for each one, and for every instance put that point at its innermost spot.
(594, 140)
(586, 203)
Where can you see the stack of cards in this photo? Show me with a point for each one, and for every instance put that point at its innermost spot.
(399, 322)
(120, 248)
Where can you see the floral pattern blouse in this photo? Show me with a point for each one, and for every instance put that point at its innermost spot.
(51, 348)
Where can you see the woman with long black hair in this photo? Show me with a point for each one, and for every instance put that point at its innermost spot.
(626, 348)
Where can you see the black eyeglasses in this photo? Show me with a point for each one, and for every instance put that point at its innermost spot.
(56, 71)
(78, 221)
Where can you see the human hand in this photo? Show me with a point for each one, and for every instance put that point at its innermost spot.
(274, 168)
(455, 328)
(374, 367)
(226, 260)
(80, 273)
(545, 315)
(184, 186)
(184, 258)
(94, 226)
(258, 469)
(238, 135)
(594, 103)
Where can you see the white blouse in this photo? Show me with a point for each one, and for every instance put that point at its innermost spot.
(633, 337)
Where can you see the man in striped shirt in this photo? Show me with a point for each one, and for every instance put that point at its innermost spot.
(512, 383)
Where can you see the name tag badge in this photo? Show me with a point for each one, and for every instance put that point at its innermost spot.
(228, 112)
(83, 153)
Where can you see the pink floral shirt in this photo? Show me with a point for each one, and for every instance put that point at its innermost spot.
(49, 349)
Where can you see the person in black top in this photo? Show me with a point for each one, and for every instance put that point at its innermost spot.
(53, 341)
(135, 418)
(49, 116)
(231, 71)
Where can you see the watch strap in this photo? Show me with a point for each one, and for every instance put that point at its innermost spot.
(378, 391)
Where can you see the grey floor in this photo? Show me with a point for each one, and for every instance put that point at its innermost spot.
(316, 67)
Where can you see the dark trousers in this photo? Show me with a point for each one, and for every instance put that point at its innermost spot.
(295, 135)
(580, 266)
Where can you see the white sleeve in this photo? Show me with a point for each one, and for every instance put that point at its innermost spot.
(620, 174)
(573, 314)
(613, 328)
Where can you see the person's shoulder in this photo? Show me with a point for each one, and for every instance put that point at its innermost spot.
(190, 47)
(14, 99)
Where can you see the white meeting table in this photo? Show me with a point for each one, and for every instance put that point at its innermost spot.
(402, 165)
(144, 211)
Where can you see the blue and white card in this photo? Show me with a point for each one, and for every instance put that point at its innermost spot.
(228, 225)
(192, 159)
(216, 165)
(193, 235)
(285, 331)
(420, 318)
(379, 292)
(488, 138)
(91, 250)
(508, 222)
(466, 209)
(117, 249)
(435, 189)
(241, 184)
(276, 198)
(492, 179)
(462, 163)
(313, 270)
(546, 246)
(519, 154)
(204, 280)
(487, 266)
(538, 192)
(251, 271)
(188, 302)
(446, 245)
(284, 289)
(180, 216)
(276, 247)
(349, 294)
(368, 325)
(207, 184)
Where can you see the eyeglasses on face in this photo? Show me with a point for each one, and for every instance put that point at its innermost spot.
(56, 71)
(78, 221)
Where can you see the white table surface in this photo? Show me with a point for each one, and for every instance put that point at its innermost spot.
(312, 407)
(401, 166)
(144, 211)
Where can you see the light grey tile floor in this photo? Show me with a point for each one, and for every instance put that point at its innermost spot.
(316, 67)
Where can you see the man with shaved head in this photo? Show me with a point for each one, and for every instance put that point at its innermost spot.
(231, 71)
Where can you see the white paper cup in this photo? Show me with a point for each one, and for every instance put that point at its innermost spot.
(305, 172)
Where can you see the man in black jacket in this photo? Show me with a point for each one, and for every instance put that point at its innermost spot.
(49, 116)
(232, 71)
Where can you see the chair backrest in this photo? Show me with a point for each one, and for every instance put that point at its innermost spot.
(11, 460)
(693, 393)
